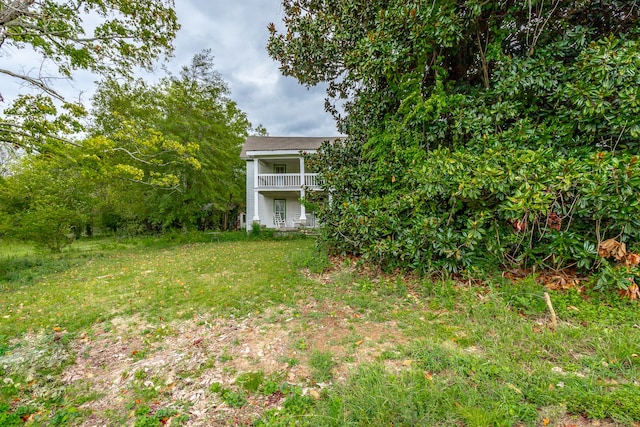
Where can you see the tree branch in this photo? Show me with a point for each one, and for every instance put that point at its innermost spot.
(37, 83)
(150, 184)
(135, 157)
(15, 10)
(18, 130)
(44, 32)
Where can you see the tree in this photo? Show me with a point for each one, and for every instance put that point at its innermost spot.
(156, 157)
(47, 200)
(195, 177)
(475, 127)
(108, 37)
(380, 55)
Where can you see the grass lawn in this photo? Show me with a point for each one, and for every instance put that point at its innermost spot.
(151, 332)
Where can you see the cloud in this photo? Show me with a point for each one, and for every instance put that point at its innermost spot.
(236, 32)
(237, 35)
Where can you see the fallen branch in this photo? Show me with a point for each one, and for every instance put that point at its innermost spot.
(554, 319)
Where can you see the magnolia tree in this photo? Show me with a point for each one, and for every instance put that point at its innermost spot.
(480, 132)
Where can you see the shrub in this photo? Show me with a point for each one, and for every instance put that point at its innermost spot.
(504, 206)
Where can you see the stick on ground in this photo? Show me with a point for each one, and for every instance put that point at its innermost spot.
(554, 319)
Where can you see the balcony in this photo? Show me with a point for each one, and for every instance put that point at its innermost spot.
(287, 181)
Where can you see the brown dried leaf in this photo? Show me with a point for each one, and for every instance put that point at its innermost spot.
(612, 248)
(554, 221)
(519, 225)
(562, 282)
(631, 260)
(632, 292)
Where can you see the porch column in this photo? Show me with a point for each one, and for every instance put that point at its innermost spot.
(303, 211)
(256, 193)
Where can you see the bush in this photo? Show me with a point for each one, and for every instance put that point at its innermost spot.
(453, 209)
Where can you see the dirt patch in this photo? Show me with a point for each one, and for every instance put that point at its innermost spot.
(180, 361)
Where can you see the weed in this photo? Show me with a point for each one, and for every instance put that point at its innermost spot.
(250, 381)
(228, 396)
(301, 344)
(225, 356)
(233, 399)
(4, 345)
(65, 416)
(321, 364)
(290, 361)
(271, 385)
(9, 418)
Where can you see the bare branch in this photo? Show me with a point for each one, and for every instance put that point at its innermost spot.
(37, 83)
(135, 157)
(540, 23)
(15, 10)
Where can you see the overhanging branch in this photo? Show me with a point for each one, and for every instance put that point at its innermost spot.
(37, 83)
(135, 156)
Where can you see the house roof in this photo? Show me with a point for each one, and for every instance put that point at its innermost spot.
(280, 143)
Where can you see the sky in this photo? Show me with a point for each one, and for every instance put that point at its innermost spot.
(236, 32)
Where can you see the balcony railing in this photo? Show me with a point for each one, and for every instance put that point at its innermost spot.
(287, 180)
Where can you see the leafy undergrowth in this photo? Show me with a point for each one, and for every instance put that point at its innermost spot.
(253, 333)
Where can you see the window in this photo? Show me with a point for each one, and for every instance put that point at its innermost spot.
(279, 168)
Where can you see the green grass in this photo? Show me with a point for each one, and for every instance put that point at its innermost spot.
(77, 289)
(483, 356)
(468, 355)
(321, 364)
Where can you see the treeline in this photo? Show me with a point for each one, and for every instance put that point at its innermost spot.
(154, 157)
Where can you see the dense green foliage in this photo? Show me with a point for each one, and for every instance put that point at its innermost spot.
(195, 178)
(157, 157)
(48, 201)
(494, 132)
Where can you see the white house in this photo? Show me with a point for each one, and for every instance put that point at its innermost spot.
(277, 180)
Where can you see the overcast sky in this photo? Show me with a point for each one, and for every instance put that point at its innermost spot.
(236, 32)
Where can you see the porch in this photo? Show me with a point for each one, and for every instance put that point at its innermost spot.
(284, 181)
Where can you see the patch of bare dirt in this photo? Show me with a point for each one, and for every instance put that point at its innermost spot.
(182, 359)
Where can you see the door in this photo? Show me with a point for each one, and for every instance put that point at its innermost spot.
(279, 212)
(279, 169)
